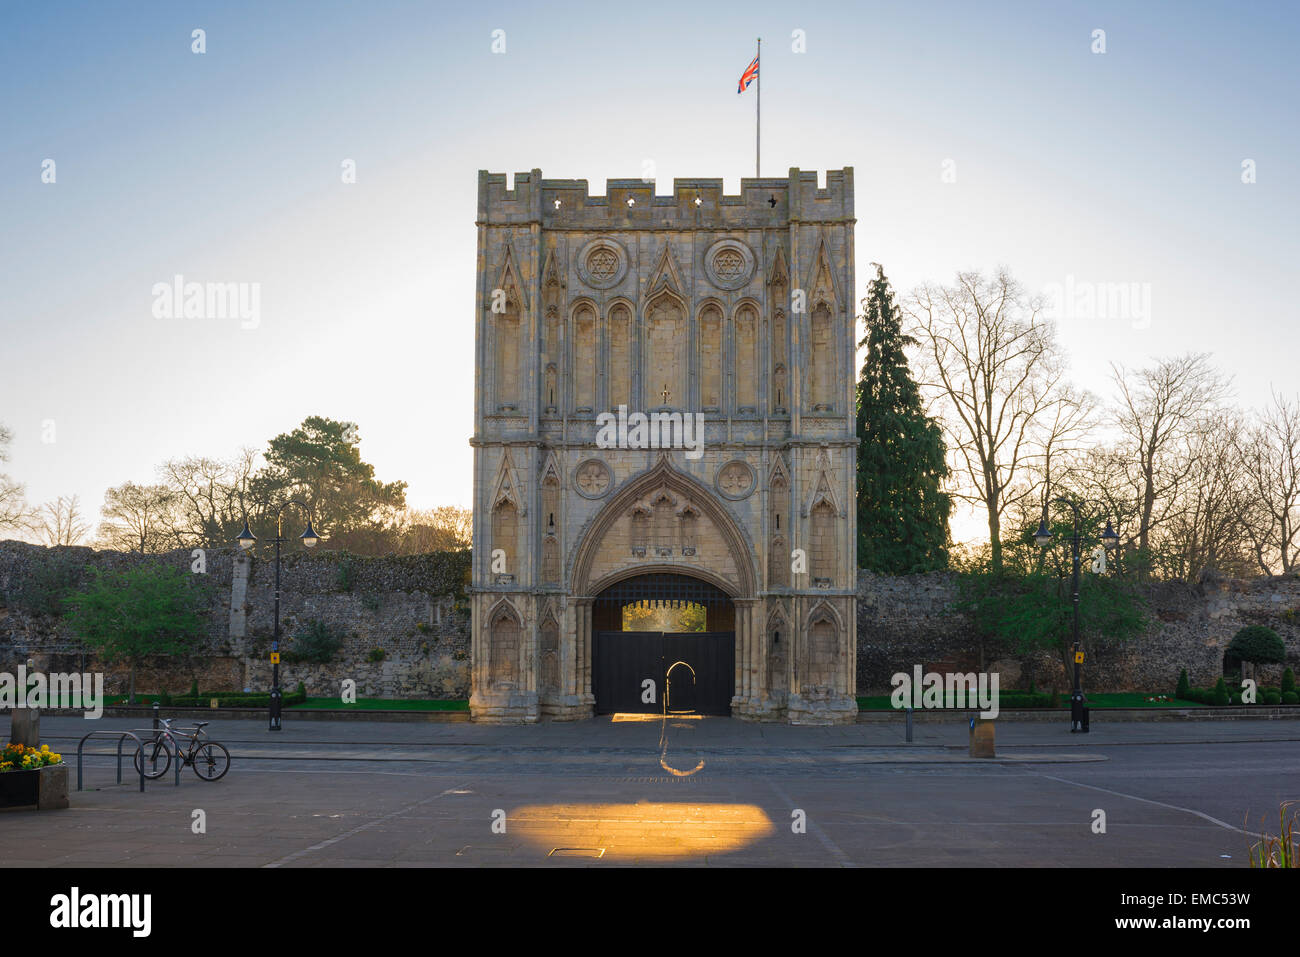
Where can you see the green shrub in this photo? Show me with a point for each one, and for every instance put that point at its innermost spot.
(301, 690)
(1272, 696)
(1257, 644)
(194, 688)
(1184, 686)
(347, 573)
(375, 655)
(318, 643)
(1290, 697)
(1220, 693)
(1288, 681)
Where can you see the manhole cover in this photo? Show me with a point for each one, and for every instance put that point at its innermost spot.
(577, 852)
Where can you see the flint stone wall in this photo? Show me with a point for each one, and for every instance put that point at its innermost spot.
(415, 609)
(411, 607)
(909, 620)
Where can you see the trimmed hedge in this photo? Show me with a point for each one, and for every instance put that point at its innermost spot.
(238, 700)
(1268, 696)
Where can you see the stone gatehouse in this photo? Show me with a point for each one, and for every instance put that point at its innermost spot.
(664, 411)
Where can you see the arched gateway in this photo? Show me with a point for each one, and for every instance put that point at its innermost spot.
(664, 421)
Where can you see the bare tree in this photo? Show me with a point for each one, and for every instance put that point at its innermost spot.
(991, 362)
(210, 498)
(1160, 414)
(136, 517)
(60, 522)
(1207, 525)
(433, 530)
(15, 513)
(1271, 456)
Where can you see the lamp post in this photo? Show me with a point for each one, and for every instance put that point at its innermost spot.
(246, 541)
(1109, 538)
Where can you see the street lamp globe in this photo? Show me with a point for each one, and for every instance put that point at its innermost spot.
(246, 538)
(1043, 537)
(309, 537)
(1109, 538)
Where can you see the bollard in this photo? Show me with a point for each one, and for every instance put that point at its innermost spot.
(155, 715)
(25, 727)
(909, 724)
(981, 738)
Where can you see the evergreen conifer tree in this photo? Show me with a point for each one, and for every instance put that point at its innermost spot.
(902, 507)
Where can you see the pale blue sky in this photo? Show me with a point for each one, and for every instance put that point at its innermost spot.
(225, 167)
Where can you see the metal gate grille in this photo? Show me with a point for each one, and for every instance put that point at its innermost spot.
(691, 673)
(663, 587)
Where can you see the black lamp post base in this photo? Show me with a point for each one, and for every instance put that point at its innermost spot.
(1078, 715)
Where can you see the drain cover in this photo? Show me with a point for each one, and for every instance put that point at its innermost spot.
(577, 852)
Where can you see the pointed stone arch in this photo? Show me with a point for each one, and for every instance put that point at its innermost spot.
(549, 681)
(506, 486)
(822, 284)
(622, 504)
(665, 275)
(505, 643)
(666, 359)
(584, 320)
(711, 329)
(779, 635)
(823, 649)
(778, 351)
(824, 299)
(620, 329)
(745, 361)
(823, 490)
(509, 327)
(553, 295)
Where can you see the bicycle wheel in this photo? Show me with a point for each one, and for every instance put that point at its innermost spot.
(211, 761)
(157, 758)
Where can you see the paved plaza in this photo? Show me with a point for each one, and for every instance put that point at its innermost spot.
(703, 791)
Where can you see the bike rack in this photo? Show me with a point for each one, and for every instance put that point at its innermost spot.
(121, 739)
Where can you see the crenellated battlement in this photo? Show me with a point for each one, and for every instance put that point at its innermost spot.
(693, 204)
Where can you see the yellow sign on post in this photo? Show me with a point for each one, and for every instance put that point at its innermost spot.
(275, 658)
(1078, 657)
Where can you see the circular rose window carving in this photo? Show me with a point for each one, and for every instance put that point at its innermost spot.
(592, 478)
(729, 263)
(735, 480)
(602, 263)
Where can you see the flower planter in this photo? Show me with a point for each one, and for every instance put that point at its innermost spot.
(45, 788)
(20, 788)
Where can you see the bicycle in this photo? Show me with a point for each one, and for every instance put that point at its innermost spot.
(209, 759)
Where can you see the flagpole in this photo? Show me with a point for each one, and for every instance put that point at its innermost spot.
(758, 108)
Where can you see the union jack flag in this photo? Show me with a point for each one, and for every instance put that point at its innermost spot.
(748, 77)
